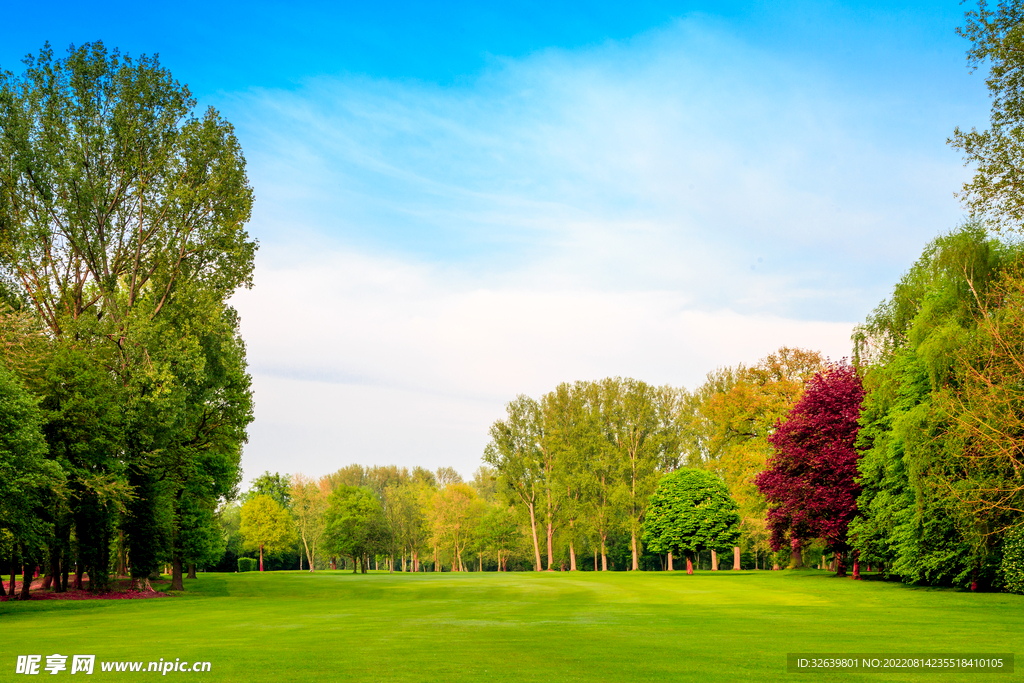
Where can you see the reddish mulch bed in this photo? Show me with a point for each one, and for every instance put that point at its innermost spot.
(119, 590)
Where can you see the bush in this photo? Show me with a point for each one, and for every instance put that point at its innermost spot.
(246, 564)
(1013, 561)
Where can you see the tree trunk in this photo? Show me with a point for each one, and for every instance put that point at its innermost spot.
(735, 558)
(26, 582)
(636, 558)
(714, 561)
(604, 556)
(670, 567)
(551, 533)
(572, 557)
(796, 558)
(840, 564)
(176, 579)
(79, 570)
(261, 557)
(14, 584)
(191, 570)
(536, 545)
(856, 565)
(689, 564)
(2, 591)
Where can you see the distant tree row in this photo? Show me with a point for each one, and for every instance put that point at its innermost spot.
(908, 461)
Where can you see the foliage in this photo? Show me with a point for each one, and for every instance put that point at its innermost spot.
(811, 483)
(995, 191)
(356, 526)
(455, 512)
(122, 219)
(276, 485)
(266, 526)
(690, 511)
(309, 506)
(27, 477)
(941, 380)
(246, 564)
(515, 455)
(1012, 566)
(728, 420)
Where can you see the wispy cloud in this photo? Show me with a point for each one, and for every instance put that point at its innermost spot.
(652, 208)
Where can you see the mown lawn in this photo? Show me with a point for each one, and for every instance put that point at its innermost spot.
(335, 626)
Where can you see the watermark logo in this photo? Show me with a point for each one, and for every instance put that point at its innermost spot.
(33, 665)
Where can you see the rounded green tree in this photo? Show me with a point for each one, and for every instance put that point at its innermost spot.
(690, 511)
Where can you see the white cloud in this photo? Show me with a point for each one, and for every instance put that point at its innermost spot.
(654, 209)
(370, 360)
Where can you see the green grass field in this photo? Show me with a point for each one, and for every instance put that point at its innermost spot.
(335, 626)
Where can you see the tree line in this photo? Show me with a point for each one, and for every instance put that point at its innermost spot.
(906, 459)
(124, 395)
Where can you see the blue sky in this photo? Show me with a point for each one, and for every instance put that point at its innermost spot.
(457, 203)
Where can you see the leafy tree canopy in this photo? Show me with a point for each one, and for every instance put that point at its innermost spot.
(811, 483)
(997, 189)
(690, 511)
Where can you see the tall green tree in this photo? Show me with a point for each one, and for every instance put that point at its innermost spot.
(515, 454)
(309, 507)
(996, 192)
(918, 472)
(120, 209)
(631, 426)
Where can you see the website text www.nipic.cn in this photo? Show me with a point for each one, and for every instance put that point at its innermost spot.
(86, 664)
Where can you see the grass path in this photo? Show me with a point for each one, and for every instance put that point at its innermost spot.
(334, 626)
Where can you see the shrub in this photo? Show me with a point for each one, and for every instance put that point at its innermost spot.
(1013, 561)
(246, 564)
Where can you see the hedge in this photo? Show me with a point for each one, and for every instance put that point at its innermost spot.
(1013, 561)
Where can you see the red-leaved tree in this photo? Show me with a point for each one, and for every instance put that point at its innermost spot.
(810, 483)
